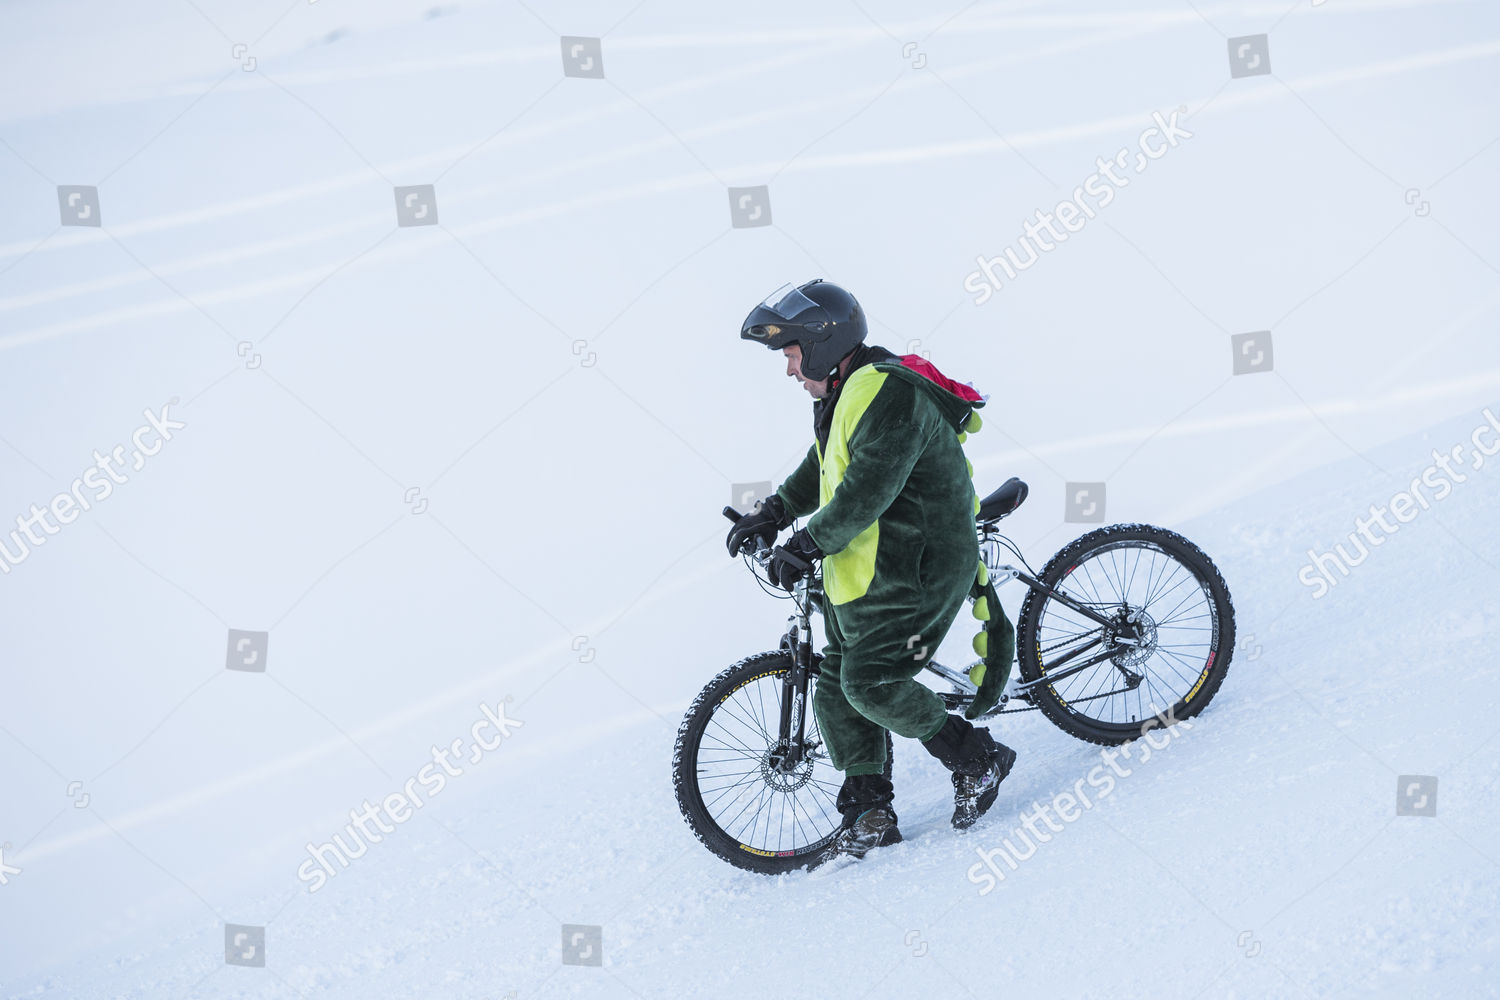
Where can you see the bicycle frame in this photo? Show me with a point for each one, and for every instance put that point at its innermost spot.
(989, 540)
(807, 596)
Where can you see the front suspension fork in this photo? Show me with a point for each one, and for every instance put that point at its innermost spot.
(792, 731)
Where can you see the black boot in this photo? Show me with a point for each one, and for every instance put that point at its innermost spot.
(863, 792)
(978, 764)
(869, 821)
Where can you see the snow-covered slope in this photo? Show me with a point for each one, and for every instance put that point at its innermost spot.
(476, 468)
(1258, 853)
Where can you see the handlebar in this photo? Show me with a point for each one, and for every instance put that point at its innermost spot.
(762, 553)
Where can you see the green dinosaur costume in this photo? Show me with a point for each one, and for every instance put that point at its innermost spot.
(895, 509)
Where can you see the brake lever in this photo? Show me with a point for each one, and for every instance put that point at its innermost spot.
(763, 553)
(797, 561)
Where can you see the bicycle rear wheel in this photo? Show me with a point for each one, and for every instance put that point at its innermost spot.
(1172, 634)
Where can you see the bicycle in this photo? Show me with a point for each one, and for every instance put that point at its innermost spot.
(754, 781)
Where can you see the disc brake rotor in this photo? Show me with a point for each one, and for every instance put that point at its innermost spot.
(1143, 632)
(782, 780)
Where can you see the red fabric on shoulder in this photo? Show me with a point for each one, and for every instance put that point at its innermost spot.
(927, 370)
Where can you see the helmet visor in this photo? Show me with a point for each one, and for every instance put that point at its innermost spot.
(788, 302)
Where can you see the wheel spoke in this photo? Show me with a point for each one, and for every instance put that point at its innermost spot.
(745, 795)
(1167, 602)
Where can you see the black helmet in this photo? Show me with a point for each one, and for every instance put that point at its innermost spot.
(820, 316)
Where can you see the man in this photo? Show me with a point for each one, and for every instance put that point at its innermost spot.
(894, 526)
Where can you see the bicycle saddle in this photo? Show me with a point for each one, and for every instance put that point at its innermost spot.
(1010, 495)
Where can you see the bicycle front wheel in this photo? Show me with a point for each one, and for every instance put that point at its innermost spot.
(733, 784)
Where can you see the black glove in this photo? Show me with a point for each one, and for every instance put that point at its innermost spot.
(764, 522)
(792, 561)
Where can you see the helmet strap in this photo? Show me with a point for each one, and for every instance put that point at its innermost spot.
(836, 377)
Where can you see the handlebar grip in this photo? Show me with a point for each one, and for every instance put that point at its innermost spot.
(797, 561)
(732, 514)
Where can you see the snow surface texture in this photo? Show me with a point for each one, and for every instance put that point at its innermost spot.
(445, 465)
